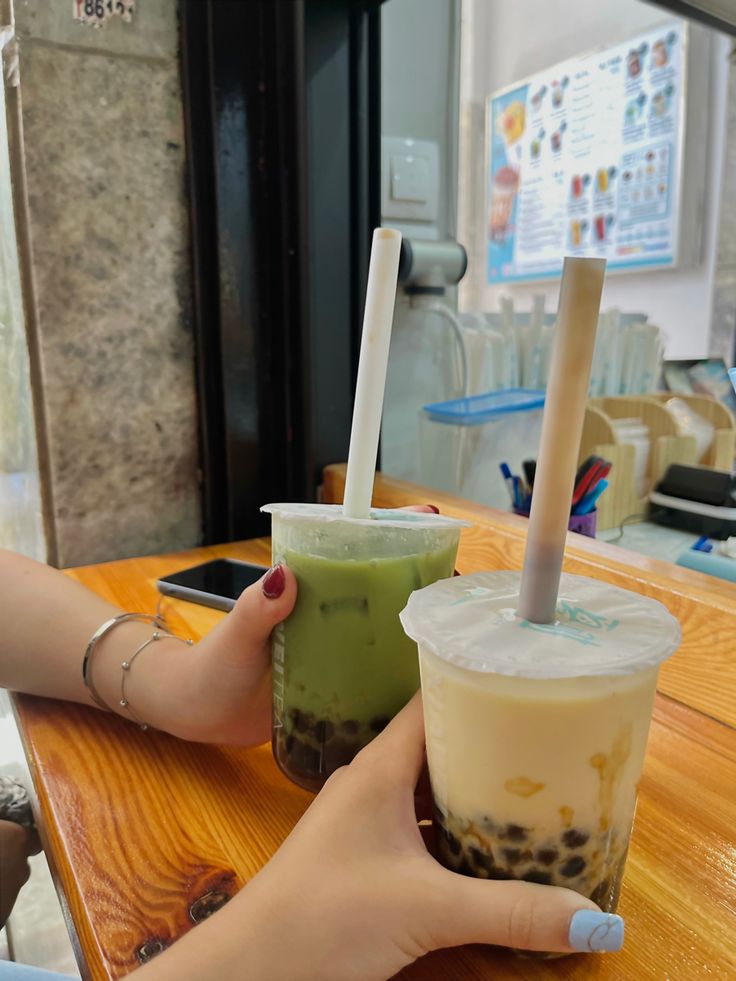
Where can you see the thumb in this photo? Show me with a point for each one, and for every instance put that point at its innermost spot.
(262, 606)
(522, 915)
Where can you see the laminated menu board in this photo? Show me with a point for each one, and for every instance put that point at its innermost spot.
(585, 158)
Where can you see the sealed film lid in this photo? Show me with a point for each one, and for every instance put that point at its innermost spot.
(386, 517)
(471, 622)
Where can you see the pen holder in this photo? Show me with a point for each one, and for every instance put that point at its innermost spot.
(583, 524)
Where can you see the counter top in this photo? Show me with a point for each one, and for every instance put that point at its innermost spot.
(144, 831)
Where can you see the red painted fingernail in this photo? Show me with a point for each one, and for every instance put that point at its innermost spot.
(456, 573)
(274, 583)
(432, 508)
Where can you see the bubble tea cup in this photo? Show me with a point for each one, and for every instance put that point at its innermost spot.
(342, 664)
(536, 733)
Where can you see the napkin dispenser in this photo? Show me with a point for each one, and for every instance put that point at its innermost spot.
(697, 499)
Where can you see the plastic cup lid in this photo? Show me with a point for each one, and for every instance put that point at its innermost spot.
(387, 518)
(471, 621)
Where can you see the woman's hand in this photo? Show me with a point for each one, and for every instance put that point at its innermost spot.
(216, 690)
(226, 696)
(353, 894)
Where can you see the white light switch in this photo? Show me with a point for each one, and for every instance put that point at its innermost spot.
(410, 176)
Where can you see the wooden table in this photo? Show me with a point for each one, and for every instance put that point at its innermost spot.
(144, 831)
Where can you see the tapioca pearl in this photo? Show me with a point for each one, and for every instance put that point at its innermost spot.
(449, 839)
(448, 857)
(513, 832)
(302, 720)
(482, 860)
(324, 730)
(539, 876)
(349, 727)
(303, 758)
(444, 832)
(572, 867)
(336, 752)
(547, 855)
(379, 723)
(464, 868)
(501, 874)
(512, 855)
(575, 838)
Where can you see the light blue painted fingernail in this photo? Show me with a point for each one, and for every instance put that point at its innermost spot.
(591, 931)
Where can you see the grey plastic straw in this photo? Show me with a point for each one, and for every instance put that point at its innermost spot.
(562, 427)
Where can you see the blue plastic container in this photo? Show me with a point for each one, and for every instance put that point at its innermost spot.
(463, 441)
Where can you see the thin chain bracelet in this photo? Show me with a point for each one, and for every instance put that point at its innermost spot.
(157, 620)
(127, 665)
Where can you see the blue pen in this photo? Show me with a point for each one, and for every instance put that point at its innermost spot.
(588, 503)
(509, 481)
(517, 492)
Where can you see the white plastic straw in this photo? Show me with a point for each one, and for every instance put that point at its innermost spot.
(374, 347)
(562, 427)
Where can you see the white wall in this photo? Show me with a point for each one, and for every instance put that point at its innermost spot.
(419, 100)
(419, 85)
(504, 42)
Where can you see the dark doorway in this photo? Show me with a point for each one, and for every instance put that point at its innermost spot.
(282, 101)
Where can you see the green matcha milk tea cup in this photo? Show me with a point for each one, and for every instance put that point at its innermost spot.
(342, 664)
(536, 733)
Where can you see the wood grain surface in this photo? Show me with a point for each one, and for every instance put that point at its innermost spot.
(144, 830)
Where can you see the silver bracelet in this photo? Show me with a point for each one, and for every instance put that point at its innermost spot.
(161, 634)
(95, 639)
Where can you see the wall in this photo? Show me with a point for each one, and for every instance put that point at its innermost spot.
(419, 99)
(21, 526)
(419, 85)
(499, 48)
(103, 149)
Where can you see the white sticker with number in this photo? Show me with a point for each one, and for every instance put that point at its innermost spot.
(96, 12)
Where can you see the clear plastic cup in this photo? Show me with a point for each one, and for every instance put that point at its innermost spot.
(536, 734)
(342, 665)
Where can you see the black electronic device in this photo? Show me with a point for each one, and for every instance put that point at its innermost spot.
(217, 584)
(697, 499)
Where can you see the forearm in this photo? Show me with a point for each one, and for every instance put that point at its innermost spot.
(47, 620)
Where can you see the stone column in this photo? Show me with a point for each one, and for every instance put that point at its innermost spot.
(107, 232)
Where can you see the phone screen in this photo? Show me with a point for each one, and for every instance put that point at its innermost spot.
(221, 577)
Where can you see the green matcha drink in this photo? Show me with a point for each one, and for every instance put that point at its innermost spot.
(342, 664)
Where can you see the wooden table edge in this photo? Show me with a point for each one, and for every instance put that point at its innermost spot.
(64, 885)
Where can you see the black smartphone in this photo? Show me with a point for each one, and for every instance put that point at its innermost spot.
(217, 584)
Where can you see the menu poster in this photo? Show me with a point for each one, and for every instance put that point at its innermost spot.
(584, 159)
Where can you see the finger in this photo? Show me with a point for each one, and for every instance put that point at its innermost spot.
(262, 606)
(520, 915)
(398, 752)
